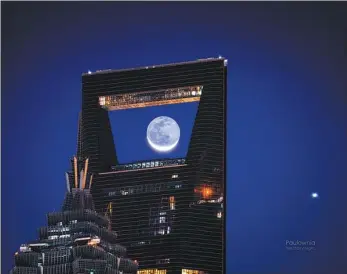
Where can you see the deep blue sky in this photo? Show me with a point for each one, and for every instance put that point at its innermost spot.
(286, 118)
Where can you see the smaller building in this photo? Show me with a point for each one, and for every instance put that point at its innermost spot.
(77, 239)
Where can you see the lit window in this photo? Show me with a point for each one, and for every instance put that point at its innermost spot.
(162, 220)
(174, 176)
(162, 213)
(24, 248)
(191, 271)
(102, 101)
(60, 223)
(168, 230)
(172, 202)
(65, 236)
(219, 215)
(163, 261)
(53, 237)
(161, 231)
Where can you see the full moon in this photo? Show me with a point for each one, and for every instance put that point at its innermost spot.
(163, 134)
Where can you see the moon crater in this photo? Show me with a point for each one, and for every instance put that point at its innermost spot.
(163, 134)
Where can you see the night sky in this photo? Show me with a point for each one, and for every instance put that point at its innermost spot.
(287, 114)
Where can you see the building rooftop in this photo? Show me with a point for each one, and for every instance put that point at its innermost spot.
(89, 73)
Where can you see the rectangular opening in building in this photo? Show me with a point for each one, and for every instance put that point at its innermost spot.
(140, 129)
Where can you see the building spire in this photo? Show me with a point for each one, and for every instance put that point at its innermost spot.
(67, 181)
(91, 181)
(81, 180)
(85, 174)
(80, 176)
(75, 171)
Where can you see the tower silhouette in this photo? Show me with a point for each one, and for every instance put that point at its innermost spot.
(77, 239)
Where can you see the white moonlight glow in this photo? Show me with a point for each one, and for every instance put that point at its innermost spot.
(163, 134)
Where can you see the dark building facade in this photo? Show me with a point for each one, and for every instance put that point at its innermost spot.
(169, 211)
(77, 239)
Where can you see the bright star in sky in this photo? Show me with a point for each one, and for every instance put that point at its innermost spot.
(314, 195)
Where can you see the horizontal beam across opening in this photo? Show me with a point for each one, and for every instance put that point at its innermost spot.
(151, 98)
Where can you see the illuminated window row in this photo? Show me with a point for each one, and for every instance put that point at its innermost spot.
(163, 271)
(213, 201)
(149, 96)
(140, 243)
(142, 165)
(58, 229)
(154, 231)
(191, 271)
(163, 261)
(151, 271)
(54, 237)
(144, 188)
(161, 231)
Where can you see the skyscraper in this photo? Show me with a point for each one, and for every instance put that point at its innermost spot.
(77, 239)
(169, 211)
